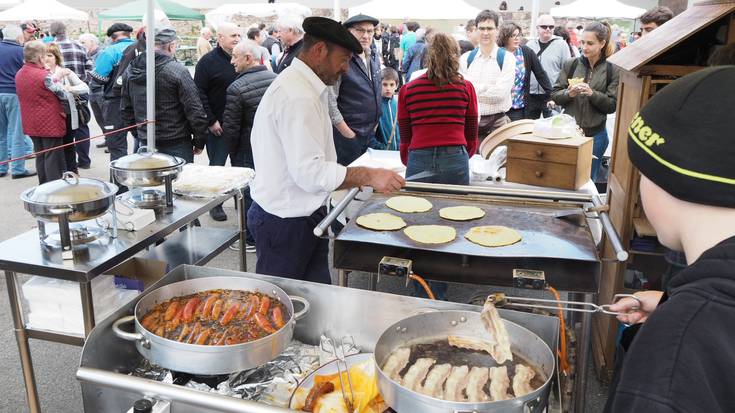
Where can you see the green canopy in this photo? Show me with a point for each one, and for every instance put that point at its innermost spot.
(135, 10)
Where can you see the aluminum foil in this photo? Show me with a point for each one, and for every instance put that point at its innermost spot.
(271, 383)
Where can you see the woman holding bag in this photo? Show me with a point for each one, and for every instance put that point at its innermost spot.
(587, 87)
(73, 94)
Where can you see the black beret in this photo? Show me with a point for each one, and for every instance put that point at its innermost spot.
(119, 27)
(332, 32)
(683, 140)
(360, 18)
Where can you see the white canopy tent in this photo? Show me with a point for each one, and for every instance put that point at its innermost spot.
(42, 10)
(597, 9)
(416, 9)
(227, 11)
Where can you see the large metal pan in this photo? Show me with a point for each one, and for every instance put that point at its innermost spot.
(433, 325)
(210, 360)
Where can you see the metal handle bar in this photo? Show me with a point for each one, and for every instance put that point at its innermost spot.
(620, 253)
(320, 229)
(502, 300)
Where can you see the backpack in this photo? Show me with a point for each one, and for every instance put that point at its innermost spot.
(608, 71)
(500, 57)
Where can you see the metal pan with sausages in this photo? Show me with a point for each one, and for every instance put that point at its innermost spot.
(215, 325)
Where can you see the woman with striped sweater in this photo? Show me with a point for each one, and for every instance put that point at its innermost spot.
(437, 117)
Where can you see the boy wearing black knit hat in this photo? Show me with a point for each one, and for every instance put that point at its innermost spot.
(681, 359)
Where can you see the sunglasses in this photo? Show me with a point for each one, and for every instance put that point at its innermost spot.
(546, 27)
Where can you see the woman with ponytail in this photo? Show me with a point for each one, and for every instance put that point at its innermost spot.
(592, 92)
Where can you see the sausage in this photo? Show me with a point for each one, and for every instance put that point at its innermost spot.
(222, 338)
(317, 391)
(216, 309)
(149, 322)
(184, 332)
(263, 323)
(208, 305)
(229, 313)
(173, 324)
(171, 310)
(278, 320)
(265, 304)
(252, 307)
(160, 330)
(194, 333)
(198, 311)
(203, 337)
(191, 305)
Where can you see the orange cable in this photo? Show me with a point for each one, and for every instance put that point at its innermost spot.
(423, 283)
(562, 352)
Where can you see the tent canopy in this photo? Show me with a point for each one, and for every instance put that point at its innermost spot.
(226, 12)
(597, 9)
(135, 10)
(42, 10)
(416, 9)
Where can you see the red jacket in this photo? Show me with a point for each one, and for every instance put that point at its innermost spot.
(429, 116)
(40, 110)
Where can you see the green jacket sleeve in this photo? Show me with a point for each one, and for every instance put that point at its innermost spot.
(560, 95)
(607, 102)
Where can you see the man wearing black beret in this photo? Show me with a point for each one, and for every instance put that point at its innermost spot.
(294, 153)
(354, 100)
(681, 359)
(107, 75)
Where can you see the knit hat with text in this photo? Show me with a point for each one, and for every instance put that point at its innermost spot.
(684, 138)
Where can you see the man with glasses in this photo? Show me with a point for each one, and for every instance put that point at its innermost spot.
(354, 99)
(492, 71)
(552, 51)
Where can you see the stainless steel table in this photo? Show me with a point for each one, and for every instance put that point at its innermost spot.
(25, 254)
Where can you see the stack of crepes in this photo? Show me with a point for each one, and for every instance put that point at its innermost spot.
(367, 399)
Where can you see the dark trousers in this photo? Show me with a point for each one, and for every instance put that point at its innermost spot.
(245, 160)
(183, 148)
(217, 150)
(488, 124)
(82, 148)
(516, 114)
(117, 143)
(97, 103)
(450, 165)
(287, 247)
(70, 154)
(350, 149)
(49, 165)
(536, 106)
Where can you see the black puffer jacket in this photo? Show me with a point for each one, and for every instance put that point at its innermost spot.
(243, 98)
(179, 112)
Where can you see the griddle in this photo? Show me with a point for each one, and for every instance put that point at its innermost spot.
(561, 247)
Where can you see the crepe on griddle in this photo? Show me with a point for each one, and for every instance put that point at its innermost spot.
(431, 234)
(461, 213)
(493, 236)
(408, 204)
(381, 221)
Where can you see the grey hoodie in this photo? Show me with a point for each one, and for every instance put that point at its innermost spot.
(552, 59)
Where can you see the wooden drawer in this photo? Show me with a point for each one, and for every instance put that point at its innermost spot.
(546, 174)
(540, 152)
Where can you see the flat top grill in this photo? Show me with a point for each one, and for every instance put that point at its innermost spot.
(544, 234)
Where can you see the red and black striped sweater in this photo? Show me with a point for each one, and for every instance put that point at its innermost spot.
(430, 116)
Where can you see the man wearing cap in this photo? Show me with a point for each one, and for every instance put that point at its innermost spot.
(294, 151)
(354, 100)
(681, 358)
(108, 74)
(179, 112)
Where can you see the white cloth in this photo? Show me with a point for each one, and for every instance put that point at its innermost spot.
(492, 84)
(293, 145)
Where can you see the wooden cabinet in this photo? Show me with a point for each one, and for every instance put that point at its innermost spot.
(555, 163)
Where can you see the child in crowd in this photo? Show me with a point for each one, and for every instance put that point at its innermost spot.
(387, 136)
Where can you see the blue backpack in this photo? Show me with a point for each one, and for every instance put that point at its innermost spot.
(500, 57)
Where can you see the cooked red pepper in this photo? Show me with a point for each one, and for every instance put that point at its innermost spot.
(229, 313)
(191, 305)
(278, 317)
(263, 323)
(265, 305)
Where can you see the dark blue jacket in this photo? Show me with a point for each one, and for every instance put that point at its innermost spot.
(359, 104)
(11, 60)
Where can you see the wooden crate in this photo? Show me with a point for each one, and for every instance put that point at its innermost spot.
(555, 163)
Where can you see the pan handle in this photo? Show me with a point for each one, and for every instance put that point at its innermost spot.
(320, 229)
(129, 336)
(298, 315)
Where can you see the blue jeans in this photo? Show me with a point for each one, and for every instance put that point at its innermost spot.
(217, 150)
(12, 140)
(599, 145)
(450, 165)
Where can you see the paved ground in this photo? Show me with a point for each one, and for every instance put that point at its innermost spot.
(55, 364)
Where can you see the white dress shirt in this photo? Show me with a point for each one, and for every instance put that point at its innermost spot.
(293, 146)
(492, 84)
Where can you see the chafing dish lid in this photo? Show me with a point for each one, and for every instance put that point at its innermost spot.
(70, 189)
(144, 160)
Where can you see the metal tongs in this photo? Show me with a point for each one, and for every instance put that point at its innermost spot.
(346, 344)
(500, 300)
